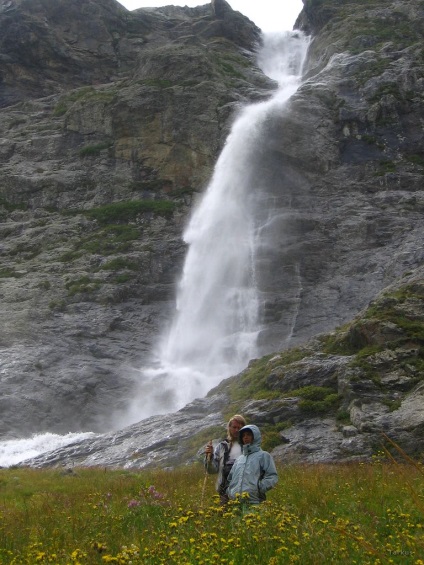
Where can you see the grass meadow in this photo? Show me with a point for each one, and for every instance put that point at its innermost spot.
(347, 513)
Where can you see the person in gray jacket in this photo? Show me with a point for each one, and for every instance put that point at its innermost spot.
(254, 472)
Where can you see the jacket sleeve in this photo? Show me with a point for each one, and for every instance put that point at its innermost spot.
(269, 476)
(212, 464)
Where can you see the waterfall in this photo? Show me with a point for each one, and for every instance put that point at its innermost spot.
(217, 319)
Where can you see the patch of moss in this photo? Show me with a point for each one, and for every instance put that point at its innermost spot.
(69, 256)
(10, 207)
(339, 342)
(120, 263)
(416, 159)
(122, 278)
(95, 150)
(252, 383)
(385, 167)
(316, 399)
(329, 404)
(7, 273)
(371, 70)
(110, 239)
(156, 83)
(85, 93)
(386, 310)
(230, 70)
(415, 364)
(44, 285)
(312, 392)
(270, 439)
(267, 395)
(392, 405)
(57, 305)
(362, 361)
(127, 211)
(26, 250)
(114, 238)
(343, 417)
(82, 285)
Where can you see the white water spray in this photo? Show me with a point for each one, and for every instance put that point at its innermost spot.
(13, 452)
(214, 331)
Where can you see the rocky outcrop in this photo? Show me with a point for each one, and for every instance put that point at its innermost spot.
(99, 172)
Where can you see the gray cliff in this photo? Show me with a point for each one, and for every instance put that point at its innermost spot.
(108, 132)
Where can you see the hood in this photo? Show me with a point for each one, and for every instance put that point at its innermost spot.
(257, 438)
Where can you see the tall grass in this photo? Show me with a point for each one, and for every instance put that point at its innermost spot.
(356, 513)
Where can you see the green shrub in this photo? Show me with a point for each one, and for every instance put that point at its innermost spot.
(120, 263)
(312, 392)
(57, 305)
(270, 440)
(94, 150)
(328, 404)
(122, 278)
(87, 92)
(7, 273)
(10, 207)
(128, 211)
(81, 285)
(157, 83)
(44, 285)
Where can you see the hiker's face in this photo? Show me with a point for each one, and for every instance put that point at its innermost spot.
(234, 428)
(247, 437)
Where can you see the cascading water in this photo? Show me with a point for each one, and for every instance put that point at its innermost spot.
(220, 295)
(214, 331)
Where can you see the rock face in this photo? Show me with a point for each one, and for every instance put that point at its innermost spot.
(348, 171)
(107, 133)
(111, 122)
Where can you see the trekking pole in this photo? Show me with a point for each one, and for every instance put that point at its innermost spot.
(207, 461)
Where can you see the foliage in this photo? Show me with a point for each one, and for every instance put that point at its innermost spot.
(94, 150)
(10, 207)
(358, 513)
(120, 263)
(110, 239)
(252, 383)
(270, 439)
(385, 167)
(317, 399)
(416, 159)
(157, 82)
(83, 284)
(85, 93)
(327, 404)
(122, 278)
(7, 273)
(57, 305)
(128, 210)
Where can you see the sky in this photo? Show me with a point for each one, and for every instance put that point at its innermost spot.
(269, 15)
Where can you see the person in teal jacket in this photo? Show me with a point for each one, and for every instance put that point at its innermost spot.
(254, 472)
